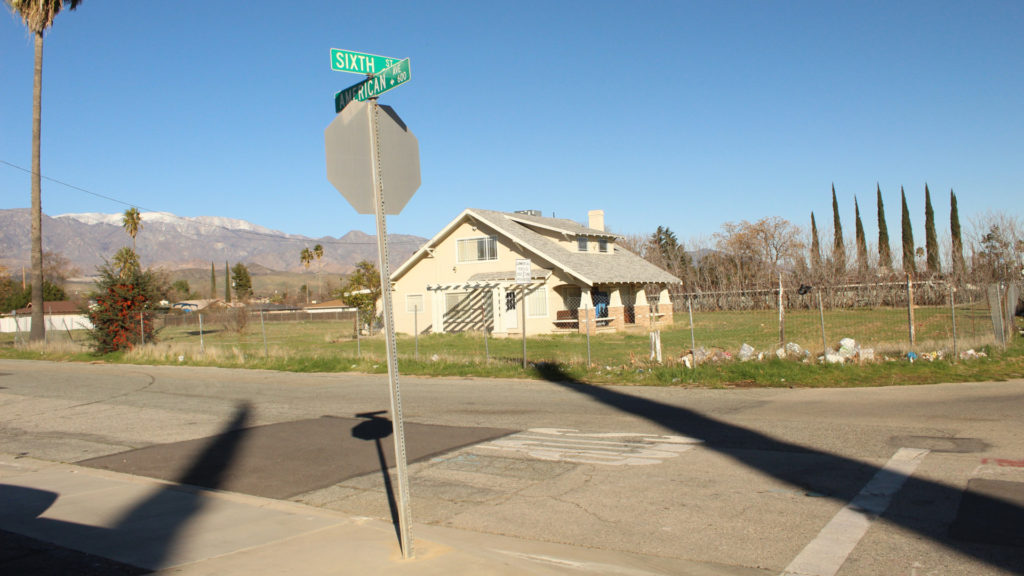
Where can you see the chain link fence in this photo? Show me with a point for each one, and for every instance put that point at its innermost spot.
(861, 321)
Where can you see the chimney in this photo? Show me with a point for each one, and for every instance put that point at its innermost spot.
(595, 220)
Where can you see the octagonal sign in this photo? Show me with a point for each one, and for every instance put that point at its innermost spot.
(348, 139)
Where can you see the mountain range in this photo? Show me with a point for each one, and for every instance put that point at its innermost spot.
(176, 242)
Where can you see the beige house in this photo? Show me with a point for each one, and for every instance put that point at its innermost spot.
(464, 278)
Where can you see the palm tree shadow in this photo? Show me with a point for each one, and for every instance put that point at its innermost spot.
(822, 473)
(376, 428)
(147, 535)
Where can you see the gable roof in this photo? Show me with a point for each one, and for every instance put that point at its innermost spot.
(618, 267)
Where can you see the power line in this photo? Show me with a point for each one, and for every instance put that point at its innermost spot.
(331, 241)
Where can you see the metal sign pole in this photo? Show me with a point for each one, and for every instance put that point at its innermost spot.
(524, 325)
(404, 511)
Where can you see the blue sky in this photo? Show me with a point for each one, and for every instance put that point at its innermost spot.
(679, 114)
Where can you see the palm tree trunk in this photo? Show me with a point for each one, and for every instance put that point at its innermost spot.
(38, 331)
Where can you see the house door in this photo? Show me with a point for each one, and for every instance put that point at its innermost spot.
(628, 296)
(510, 319)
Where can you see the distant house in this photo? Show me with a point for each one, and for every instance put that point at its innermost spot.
(55, 308)
(194, 305)
(327, 307)
(464, 278)
(57, 315)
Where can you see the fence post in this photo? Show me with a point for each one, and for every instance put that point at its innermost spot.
(910, 310)
(202, 348)
(17, 329)
(952, 311)
(359, 329)
(693, 341)
(999, 313)
(821, 315)
(263, 327)
(782, 316)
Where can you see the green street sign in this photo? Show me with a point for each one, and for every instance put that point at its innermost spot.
(359, 63)
(391, 77)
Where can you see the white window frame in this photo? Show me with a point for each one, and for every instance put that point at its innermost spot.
(534, 298)
(410, 301)
(492, 240)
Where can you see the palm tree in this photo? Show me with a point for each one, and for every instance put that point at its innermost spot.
(38, 15)
(305, 257)
(318, 252)
(132, 222)
(126, 263)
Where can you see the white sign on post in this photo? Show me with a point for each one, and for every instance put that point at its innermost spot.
(523, 278)
(522, 271)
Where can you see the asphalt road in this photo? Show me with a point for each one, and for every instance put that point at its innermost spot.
(902, 480)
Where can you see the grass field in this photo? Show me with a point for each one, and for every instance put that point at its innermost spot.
(619, 357)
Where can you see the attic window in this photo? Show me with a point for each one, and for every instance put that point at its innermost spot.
(602, 245)
(478, 249)
(581, 243)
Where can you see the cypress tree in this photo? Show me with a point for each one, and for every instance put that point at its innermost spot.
(954, 229)
(908, 238)
(213, 282)
(815, 247)
(884, 255)
(838, 248)
(931, 242)
(862, 245)
(227, 283)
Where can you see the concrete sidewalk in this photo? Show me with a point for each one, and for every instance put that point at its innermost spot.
(166, 528)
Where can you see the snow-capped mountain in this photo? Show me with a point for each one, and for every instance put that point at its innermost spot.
(181, 242)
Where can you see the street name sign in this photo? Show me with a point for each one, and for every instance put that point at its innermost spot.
(391, 77)
(358, 62)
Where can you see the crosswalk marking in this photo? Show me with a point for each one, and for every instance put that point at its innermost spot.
(610, 448)
(825, 555)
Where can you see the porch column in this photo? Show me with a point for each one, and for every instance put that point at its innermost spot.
(616, 310)
(586, 315)
(437, 311)
(642, 310)
(664, 306)
(498, 309)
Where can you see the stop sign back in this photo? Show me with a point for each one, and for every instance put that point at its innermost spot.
(349, 144)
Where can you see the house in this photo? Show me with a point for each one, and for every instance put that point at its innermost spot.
(328, 307)
(194, 305)
(57, 315)
(464, 278)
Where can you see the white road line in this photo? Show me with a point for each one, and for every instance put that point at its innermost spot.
(601, 448)
(829, 550)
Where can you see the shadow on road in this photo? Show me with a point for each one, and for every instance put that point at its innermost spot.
(832, 475)
(376, 428)
(145, 536)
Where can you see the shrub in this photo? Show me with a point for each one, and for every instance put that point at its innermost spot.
(122, 315)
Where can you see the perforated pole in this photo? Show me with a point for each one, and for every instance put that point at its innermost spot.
(404, 510)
